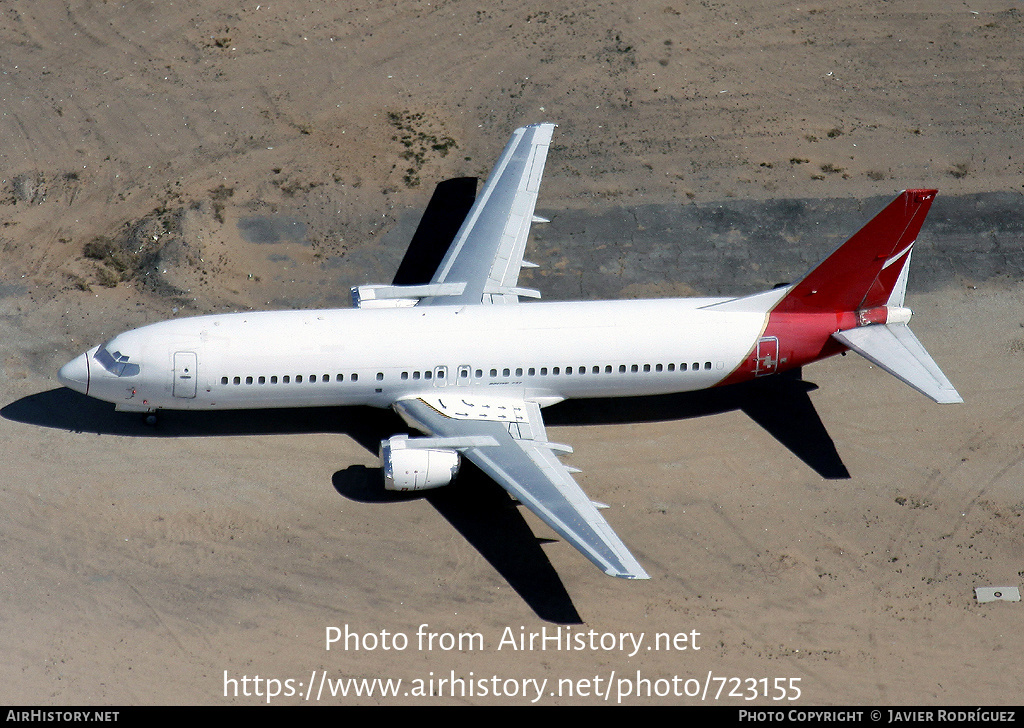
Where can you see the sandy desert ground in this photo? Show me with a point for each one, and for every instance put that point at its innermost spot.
(163, 159)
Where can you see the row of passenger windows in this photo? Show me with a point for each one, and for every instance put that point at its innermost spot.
(554, 371)
(287, 379)
(463, 373)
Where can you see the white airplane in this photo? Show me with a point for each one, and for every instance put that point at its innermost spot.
(462, 361)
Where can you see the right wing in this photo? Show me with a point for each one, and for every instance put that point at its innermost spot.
(487, 252)
(483, 262)
(506, 439)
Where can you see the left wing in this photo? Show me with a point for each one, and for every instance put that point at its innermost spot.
(506, 439)
(487, 252)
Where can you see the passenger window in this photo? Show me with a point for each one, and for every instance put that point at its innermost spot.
(532, 371)
(682, 367)
(223, 380)
(657, 368)
(298, 379)
(647, 367)
(262, 380)
(405, 375)
(312, 377)
(380, 376)
(286, 379)
(634, 369)
(340, 377)
(248, 380)
(355, 377)
(505, 372)
(622, 368)
(543, 371)
(671, 367)
(707, 365)
(554, 370)
(494, 373)
(273, 380)
(415, 375)
(519, 371)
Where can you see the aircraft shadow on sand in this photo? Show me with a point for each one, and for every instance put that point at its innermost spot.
(484, 514)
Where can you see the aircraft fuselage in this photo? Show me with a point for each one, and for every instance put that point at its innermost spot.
(540, 351)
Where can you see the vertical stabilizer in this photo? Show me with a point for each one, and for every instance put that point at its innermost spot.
(899, 291)
(865, 271)
(867, 276)
(851, 300)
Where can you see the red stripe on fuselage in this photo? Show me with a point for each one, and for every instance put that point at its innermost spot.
(802, 338)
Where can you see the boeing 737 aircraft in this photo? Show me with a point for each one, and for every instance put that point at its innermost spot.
(461, 360)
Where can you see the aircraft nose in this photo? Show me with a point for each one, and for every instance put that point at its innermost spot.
(75, 374)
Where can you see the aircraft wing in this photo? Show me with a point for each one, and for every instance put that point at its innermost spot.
(487, 253)
(506, 439)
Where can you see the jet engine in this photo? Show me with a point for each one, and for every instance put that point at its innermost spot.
(416, 468)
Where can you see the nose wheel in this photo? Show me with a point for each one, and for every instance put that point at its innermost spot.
(150, 419)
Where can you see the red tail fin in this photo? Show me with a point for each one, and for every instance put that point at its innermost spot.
(852, 290)
(863, 271)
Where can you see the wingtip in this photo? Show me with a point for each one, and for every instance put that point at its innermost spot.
(637, 573)
(540, 124)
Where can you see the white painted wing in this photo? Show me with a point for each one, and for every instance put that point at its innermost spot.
(487, 252)
(895, 349)
(524, 463)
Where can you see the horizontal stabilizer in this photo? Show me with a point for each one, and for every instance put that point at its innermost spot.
(895, 349)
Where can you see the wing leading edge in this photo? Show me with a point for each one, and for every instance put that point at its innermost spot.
(522, 461)
(487, 253)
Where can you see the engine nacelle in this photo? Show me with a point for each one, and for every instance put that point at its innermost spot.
(420, 468)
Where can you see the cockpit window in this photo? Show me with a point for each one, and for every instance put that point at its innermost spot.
(116, 363)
